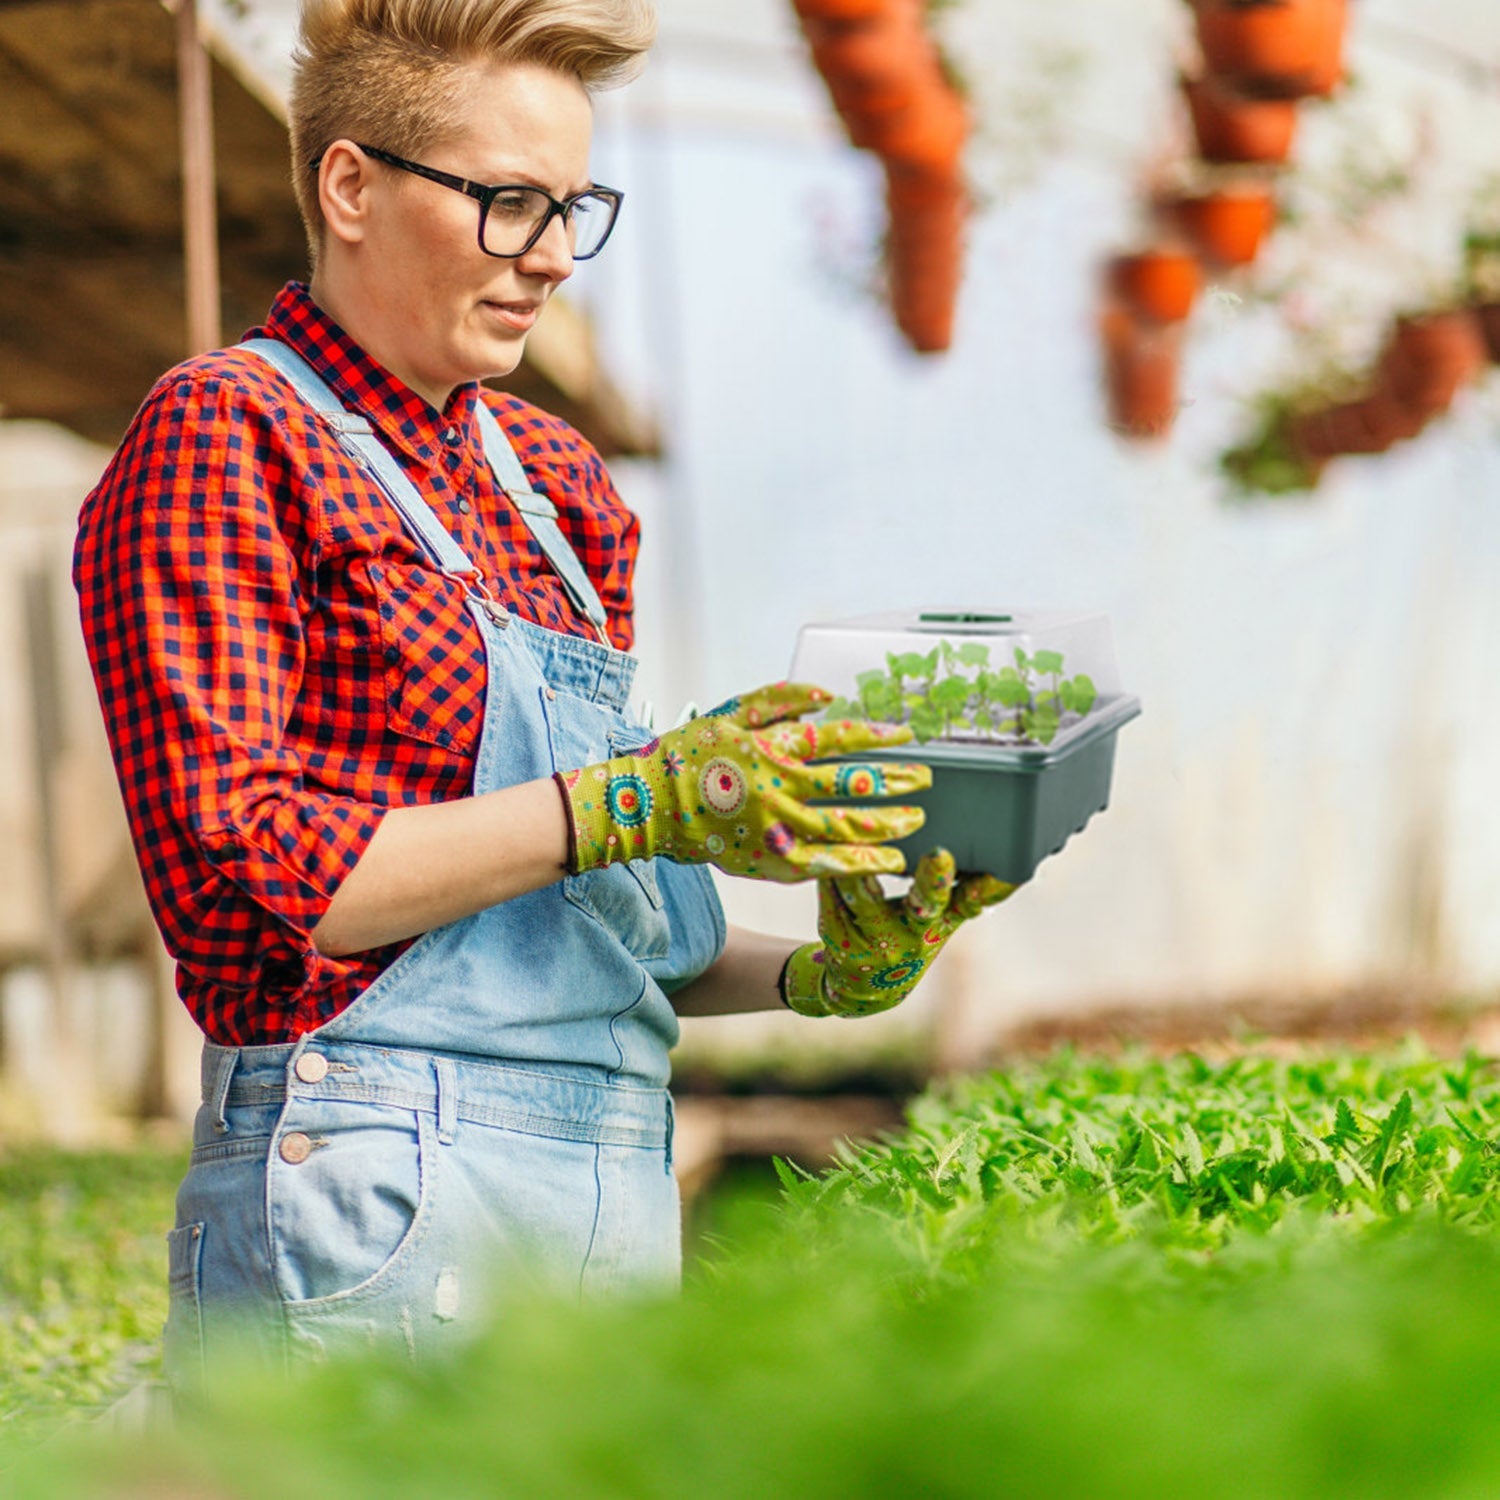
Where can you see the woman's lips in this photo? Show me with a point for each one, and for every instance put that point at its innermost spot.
(517, 315)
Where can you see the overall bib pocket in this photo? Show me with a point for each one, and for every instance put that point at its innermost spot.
(349, 1191)
(625, 898)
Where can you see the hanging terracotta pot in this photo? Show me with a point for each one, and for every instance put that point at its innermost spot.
(1160, 284)
(918, 200)
(1281, 49)
(924, 282)
(1141, 362)
(926, 135)
(924, 253)
(1429, 358)
(1314, 436)
(1372, 424)
(887, 51)
(1226, 228)
(1386, 421)
(840, 10)
(1487, 315)
(1230, 127)
(886, 81)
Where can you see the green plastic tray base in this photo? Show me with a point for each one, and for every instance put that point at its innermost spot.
(1003, 810)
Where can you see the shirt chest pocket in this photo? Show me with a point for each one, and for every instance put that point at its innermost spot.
(626, 898)
(431, 657)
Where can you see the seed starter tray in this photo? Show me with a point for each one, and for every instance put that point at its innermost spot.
(1002, 809)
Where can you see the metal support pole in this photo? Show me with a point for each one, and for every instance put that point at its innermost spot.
(200, 224)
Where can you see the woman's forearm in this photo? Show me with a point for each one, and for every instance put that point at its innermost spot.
(434, 864)
(746, 976)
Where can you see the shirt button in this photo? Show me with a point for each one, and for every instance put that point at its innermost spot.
(451, 437)
(464, 507)
(312, 1067)
(295, 1148)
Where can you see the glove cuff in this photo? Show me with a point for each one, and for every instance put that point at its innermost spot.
(609, 807)
(562, 786)
(804, 978)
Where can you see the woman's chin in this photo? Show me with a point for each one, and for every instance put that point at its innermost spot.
(498, 357)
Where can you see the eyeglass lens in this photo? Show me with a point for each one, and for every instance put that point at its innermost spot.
(516, 215)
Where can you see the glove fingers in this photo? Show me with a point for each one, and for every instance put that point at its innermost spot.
(860, 781)
(862, 900)
(847, 825)
(976, 892)
(854, 736)
(932, 885)
(773, 703)
(845, 859)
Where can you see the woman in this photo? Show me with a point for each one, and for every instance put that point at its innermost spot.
(359, 631)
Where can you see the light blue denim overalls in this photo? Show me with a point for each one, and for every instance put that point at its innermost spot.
(494, 1106)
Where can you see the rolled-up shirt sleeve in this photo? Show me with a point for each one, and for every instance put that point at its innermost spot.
(194, 561)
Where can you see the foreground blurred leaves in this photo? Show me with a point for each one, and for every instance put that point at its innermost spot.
(82, 1277)
(1085, 1277)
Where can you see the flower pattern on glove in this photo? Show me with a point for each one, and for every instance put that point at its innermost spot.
(873, 949)
(746, 788)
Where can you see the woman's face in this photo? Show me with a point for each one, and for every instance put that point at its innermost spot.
(435, 309)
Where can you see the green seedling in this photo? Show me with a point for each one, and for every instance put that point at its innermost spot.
(953, 693)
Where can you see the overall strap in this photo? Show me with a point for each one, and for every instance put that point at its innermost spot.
(540, 516)
(358, 438)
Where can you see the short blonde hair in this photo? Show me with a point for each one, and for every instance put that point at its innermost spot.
(386, 71)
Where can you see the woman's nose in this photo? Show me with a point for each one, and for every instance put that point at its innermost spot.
(552, 255)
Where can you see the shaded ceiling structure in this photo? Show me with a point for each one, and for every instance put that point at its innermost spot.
(92, 282)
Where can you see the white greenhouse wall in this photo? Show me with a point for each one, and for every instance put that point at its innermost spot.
(1307, 803)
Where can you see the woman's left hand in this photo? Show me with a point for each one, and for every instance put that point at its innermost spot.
(873, 949)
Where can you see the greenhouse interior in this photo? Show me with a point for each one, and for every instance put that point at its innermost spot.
(1063, 1002)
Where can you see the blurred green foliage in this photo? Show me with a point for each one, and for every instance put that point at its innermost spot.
(82, 1278)
(1293, 1291)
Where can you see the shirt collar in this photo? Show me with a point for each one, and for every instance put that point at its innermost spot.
(363, 385)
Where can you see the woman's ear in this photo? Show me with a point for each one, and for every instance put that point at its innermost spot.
(344, 178)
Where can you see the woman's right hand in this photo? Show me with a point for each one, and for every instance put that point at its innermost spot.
(732, 788)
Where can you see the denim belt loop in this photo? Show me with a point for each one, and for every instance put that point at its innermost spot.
(217, 1096)
(447, 1099)
(671, 1131)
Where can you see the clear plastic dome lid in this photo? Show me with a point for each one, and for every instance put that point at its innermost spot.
(1012, 678)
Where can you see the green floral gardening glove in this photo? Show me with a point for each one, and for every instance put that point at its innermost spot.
(732, 787)
(873, 949)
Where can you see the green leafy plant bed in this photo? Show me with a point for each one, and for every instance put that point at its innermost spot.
(1199, 1160)
(1022, 753)
(1292, 1294)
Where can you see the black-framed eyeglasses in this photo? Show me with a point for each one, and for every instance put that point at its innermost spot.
(513, 216)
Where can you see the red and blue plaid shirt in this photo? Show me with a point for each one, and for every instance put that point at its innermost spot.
(277, 661)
